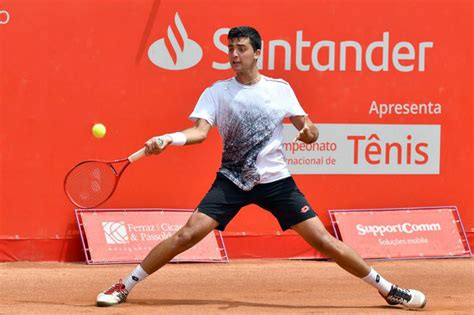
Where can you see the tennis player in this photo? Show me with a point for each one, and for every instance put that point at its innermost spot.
(249, 109)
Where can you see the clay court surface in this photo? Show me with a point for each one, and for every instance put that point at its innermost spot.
(238, 287)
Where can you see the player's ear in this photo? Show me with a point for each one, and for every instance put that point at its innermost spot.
(257, 54)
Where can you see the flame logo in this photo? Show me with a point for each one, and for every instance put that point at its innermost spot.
(184, 53)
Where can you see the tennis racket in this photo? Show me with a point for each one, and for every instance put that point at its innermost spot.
(91, 183)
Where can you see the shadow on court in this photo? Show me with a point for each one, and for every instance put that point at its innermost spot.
(226, 304)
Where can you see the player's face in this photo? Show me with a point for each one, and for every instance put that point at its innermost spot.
(242, 57)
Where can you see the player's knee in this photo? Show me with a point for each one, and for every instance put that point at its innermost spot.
(329, 246)
(183, 238)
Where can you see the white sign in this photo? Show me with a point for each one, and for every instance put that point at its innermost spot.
(365, 149)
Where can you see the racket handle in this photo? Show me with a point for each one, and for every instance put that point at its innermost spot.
(137, 155)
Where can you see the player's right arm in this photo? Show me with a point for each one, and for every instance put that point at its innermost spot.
(196, 134)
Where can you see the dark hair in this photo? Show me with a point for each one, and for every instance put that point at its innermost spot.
(249, 32)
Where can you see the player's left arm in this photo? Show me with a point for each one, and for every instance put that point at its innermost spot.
(308, 132)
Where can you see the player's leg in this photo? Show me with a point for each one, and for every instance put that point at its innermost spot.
(290, 207)
(215, 211)
(195, 229)
(316, 235)
(313, 231)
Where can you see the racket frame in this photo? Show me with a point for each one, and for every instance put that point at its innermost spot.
(110, 163)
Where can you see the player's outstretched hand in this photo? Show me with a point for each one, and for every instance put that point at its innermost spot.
(306, 135)
(156, 145)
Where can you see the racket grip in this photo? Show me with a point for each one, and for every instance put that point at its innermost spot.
(137, 155)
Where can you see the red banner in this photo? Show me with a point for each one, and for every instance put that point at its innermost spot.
(128, 235)
(389, 84)
(402, 233)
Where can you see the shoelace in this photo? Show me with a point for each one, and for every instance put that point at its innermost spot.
(118, 287)
(399, 295)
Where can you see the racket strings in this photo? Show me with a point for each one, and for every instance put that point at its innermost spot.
(90, 183)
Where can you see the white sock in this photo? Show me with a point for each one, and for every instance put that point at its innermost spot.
(137, 275)
(377, 281)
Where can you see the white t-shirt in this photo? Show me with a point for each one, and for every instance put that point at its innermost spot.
(250, 122)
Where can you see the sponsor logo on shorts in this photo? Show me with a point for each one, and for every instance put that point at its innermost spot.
(305, 209)
(4, 17)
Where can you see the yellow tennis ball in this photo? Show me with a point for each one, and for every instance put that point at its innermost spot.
(99, 130)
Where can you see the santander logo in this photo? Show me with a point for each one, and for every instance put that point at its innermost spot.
(177, 51)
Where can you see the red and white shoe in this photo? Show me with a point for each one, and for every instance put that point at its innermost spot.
(410, 298)
(114, 295)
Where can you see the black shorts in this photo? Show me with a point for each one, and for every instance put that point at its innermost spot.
(282, 198)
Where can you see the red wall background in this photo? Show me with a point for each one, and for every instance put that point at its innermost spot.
(65, 65)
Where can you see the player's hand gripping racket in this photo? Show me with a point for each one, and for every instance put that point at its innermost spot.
(90, 183)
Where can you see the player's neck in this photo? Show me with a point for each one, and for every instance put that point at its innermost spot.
(248, 78)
